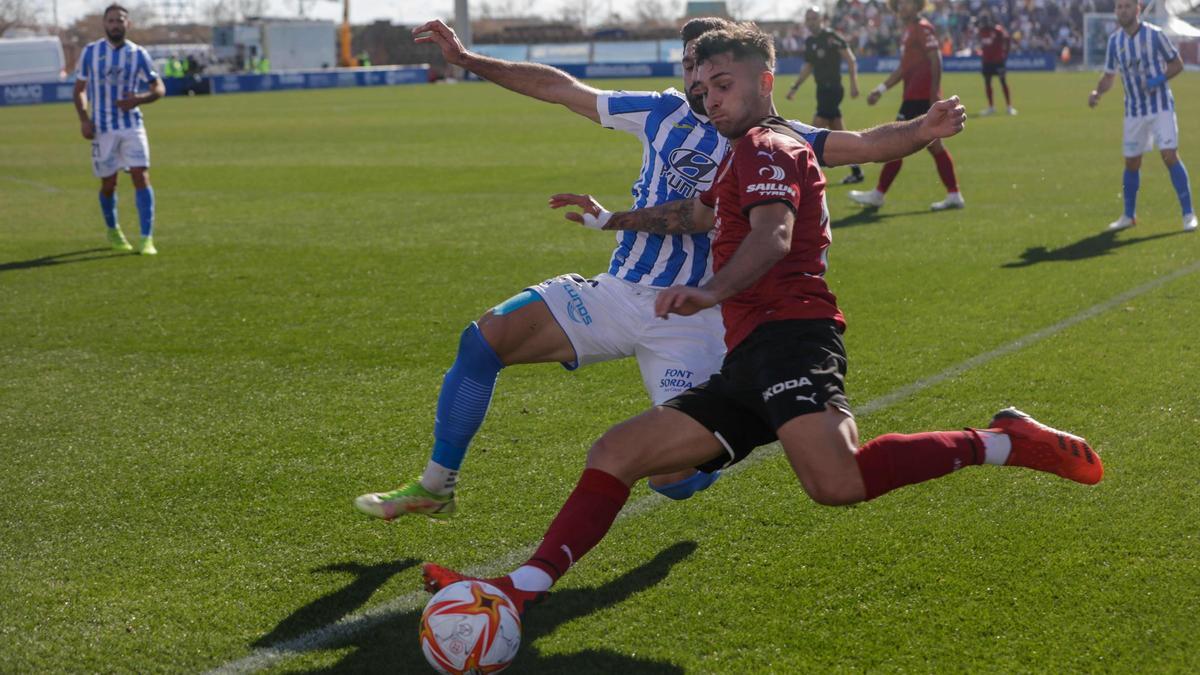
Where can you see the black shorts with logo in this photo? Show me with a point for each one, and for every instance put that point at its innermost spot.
(912, 109)
(997, 68)
(782, 370)
(829, 101)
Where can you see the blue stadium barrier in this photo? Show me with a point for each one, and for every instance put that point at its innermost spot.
(61, 91)
(36, 92)
(319, 79)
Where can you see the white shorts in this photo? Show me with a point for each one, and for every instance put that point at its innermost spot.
(1145, 132)
(607, 318)
(116, 150)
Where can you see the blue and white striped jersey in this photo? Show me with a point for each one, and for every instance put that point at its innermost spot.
(111, 74)
(680, 154)
(1138, 57)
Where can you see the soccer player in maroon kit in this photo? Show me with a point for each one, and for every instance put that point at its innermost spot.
(783, 376)
(993, 46)
(921, 70)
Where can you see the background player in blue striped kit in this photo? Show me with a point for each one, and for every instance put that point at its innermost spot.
(577, 321)
(1146, 60)
(117, 76)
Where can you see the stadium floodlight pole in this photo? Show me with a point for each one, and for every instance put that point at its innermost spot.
(462, 22)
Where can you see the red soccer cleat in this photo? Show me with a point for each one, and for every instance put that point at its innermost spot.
(1037, 446)
(437, 577)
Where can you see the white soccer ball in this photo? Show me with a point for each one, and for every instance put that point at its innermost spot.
(470, 627)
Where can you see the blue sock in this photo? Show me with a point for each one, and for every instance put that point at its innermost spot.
(1179, 179)
(1131, 182)
(687, 487)
(145, 206)
(108, 206)
(465, 397)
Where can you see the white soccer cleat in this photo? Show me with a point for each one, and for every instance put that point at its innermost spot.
(873, 198)
(953, 200)
(1012, 110)
(1189, 223)
(1122, 223)
(987, 111)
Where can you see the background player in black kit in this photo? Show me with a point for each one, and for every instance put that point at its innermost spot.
(824, 51)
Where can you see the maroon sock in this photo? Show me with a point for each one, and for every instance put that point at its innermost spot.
(888, 174)
(945, 167)
(987, 85)
(581, 522)
(1004, 86)
(896, 460)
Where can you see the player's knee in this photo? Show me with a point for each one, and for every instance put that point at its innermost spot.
(833, 491)
(621, 459)
(475, 350)
(685, 488)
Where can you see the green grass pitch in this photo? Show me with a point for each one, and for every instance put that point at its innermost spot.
(181, 437)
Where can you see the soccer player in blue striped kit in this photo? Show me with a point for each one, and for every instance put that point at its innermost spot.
(1146, 60)
(577, 321)
(117, 76)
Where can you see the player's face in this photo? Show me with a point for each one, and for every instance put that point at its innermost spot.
(736, 93)
(812, 21)
(116, 23)
(1127, 12)
(695, 98)
(908, 9)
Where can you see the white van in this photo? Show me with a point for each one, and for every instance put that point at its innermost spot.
(38, 59)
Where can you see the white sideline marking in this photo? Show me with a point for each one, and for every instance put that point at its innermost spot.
(44, 187)
(350, 625)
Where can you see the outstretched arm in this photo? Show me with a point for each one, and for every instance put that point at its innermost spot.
(896, 139)
(683, 216)
(769, 240)
(531, 79)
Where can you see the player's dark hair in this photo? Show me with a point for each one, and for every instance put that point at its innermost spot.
(115, 8)
(744, 41)
(701, 25)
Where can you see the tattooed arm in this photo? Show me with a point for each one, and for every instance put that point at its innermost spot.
(684, 216)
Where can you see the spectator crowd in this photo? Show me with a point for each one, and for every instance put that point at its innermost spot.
(1035, 25)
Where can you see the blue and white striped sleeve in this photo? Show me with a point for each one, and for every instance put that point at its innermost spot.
(146, 65)
(1110, 56)
(83, 68)
(814, 136)
(1162, 44)
(626, 110)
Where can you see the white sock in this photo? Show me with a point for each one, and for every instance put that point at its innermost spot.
(996, 446)
(438, 479)
(531, 579)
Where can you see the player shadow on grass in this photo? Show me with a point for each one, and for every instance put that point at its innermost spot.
(330, 608)
(393, 645)
(1089, 247)
(63, 259)
(871, 215)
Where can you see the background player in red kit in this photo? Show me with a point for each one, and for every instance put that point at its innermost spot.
(783, 376)
(993, 47)
(921, 70)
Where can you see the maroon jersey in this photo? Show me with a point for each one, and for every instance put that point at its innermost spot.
(915, 65)
(772, 163)
(993, 44)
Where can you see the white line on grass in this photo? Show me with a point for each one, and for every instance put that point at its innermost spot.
(44, 187)
(356, 623)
